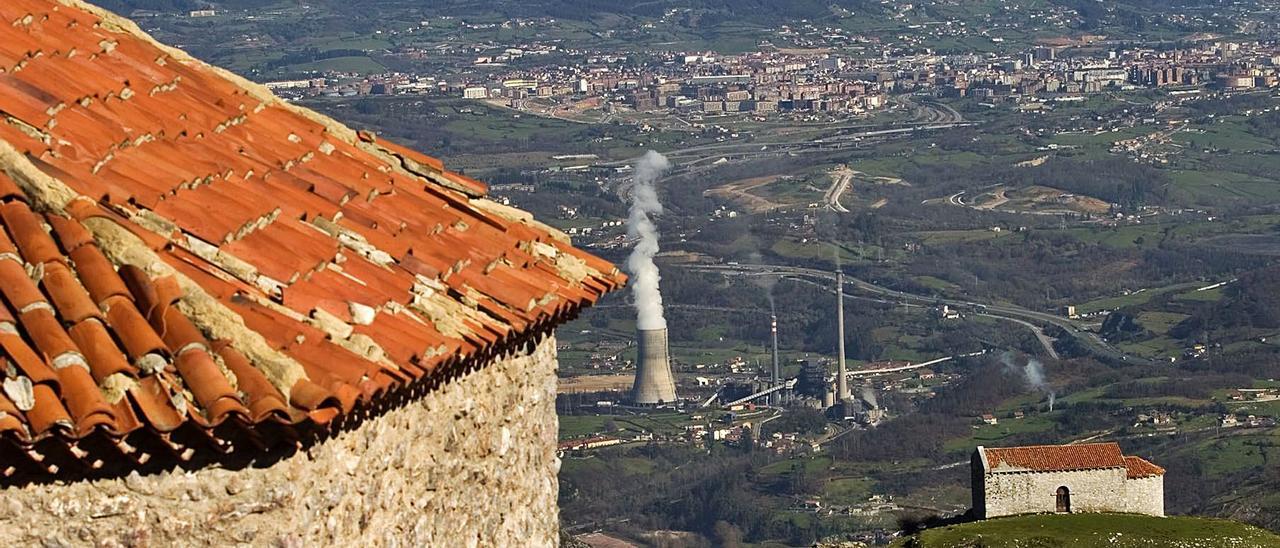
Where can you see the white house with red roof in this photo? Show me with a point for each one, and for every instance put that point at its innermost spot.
(1088, 477)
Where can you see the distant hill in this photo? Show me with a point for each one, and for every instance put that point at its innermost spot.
(1092, 530)
(572, 9)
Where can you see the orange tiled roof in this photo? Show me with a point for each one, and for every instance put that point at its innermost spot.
(1055, 458)
(191, 267)
(1138, 467)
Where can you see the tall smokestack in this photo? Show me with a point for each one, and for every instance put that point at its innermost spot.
(842, 375)
(773, 330)
(654, 383)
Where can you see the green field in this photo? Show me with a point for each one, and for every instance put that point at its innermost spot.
(1092, 531)
(1141, 296)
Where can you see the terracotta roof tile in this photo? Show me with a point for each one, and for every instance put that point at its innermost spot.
(47, 413)
(137, 336)
(69, 297)
(1138, 467)
(1050, 458)
(16, 285)
(104, 357)
(28, 233)
(9, 189)
(27, 361)
(257, 206)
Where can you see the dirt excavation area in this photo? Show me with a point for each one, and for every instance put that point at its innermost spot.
(594, 383)
(1040, 199)
(741, 193)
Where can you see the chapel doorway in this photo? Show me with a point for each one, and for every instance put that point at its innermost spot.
(1064, 500)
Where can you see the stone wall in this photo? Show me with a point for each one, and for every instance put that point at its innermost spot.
(1145, 495)
(470, 464)
(1105, 490)
(1034, 492)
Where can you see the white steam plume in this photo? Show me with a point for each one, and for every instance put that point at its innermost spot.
(1033, 371)
(644, 274)
(870, 396)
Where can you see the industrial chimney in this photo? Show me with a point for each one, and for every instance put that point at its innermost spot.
(654, 384)
(776, 398)
(842, 375)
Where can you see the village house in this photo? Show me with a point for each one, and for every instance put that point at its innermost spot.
(227, 320)
(1089, 477)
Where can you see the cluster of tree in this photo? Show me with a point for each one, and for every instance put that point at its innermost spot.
(1252, 302)
(309, 55)
(126, 7)
(720, 494)
(804, 421)
(1122, 326)
(1197, 388)
(912, 436)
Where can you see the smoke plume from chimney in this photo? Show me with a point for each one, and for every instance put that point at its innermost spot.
(869, 396)
(644, 273)
(1033, 371)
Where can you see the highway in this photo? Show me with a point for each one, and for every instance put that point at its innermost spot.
(840, 181)
(1089, 340)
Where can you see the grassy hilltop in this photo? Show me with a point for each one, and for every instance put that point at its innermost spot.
(1093, 530)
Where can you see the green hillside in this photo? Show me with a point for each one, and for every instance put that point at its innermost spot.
(1092, 530)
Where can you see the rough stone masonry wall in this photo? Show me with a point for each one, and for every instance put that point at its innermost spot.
(1035, 492)
(1145, 495)
(471, 464)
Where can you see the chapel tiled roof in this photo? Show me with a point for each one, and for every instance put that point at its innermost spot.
(1054, 458)
(1138, 467)
(191, 268)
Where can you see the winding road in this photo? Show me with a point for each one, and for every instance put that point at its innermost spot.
(1088, 340)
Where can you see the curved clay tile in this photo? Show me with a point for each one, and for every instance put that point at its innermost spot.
(50, 338)
(83, 399)
(262, 397)
(311, 396)
(156, 405)
(177, 331)
(71, 234)
(11, 420)
(135, 334)
(9, 189)
(100, 350)
(68, 296)
(17, 286)
(26, 359)
(28, 233)
(97, 274)
(210, 387)
(48, 413)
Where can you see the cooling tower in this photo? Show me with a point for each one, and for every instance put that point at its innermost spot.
(654, 383)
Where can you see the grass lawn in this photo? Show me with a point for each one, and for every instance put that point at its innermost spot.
(936, 284)
(847, 491)
(1134, 298)
(994, 434)
(577, 426)
(1207, 296)
(1225, 455)
(1160, 322)
(1093, 530)
(341, 64)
